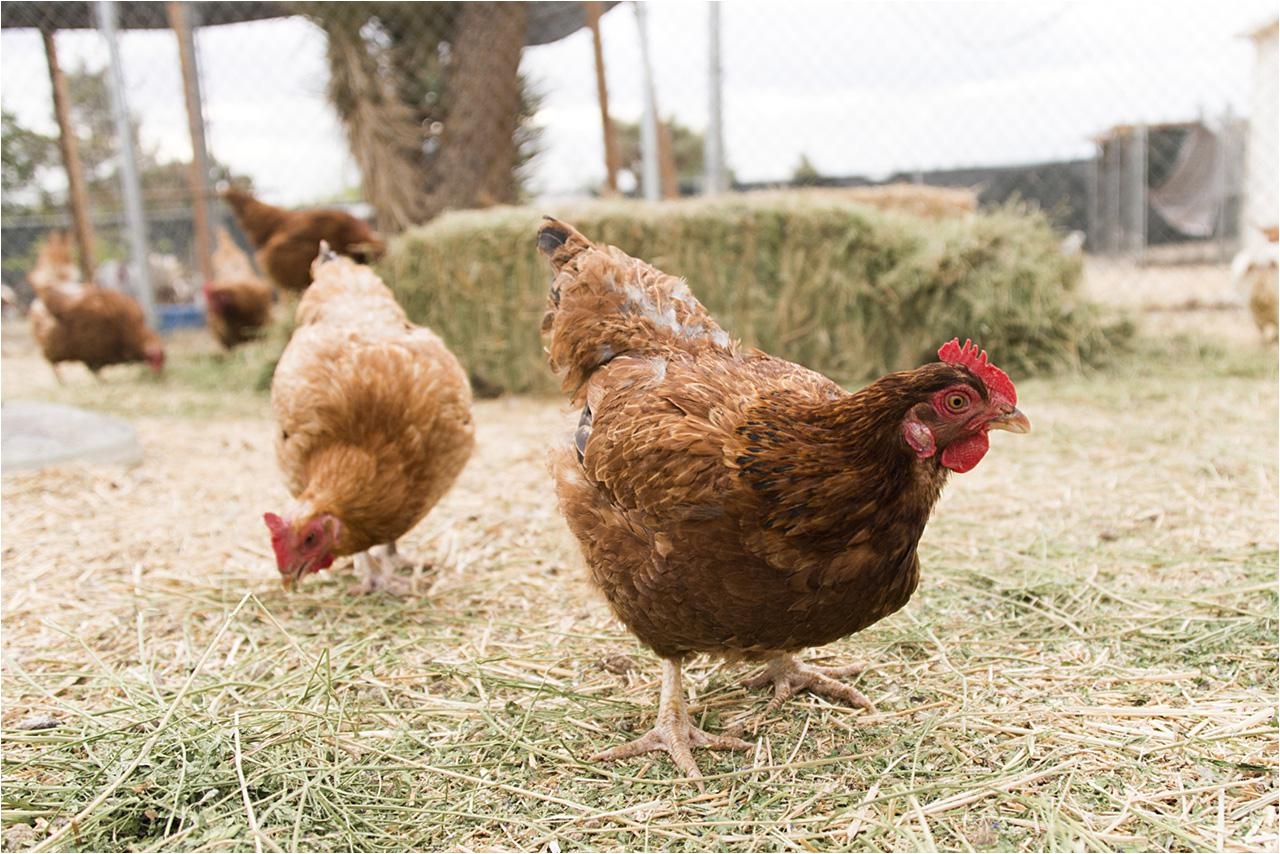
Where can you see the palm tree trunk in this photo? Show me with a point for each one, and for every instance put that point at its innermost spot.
(477, 156)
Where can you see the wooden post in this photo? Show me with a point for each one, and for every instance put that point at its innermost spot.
(199, 175)
(667, 162)
(70, 158)
(602, 92)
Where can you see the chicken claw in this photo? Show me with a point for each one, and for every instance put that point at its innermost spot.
(392, 558)
(674, 731)
(375, 582)
(377, 569)
(789, 677)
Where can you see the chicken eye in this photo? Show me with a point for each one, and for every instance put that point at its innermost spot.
(957, 401)
(309, 541)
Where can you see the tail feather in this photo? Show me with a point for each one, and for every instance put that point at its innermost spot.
(552, 236)
(560, 242)
(258, 219)
(229, 260)
(326, 253)
(60, 298)
(54, 265)
(603, 303)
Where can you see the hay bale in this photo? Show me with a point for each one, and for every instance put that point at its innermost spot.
(917, 199)
(834, 284)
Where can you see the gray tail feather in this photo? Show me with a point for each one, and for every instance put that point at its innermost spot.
(551, 236)
(326, 254)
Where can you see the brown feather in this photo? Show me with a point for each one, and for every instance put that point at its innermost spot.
(374, 412)
(238, 303)
(287, 241)
(96, 326)
(603, 303)
(73, 322)
(727, 501)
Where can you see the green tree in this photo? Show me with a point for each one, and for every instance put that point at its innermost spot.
(164, 183)
(686, 148)
(89, 100)
(23, 154)
(805, 173)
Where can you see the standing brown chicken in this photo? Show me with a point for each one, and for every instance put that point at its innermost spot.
(375, 425)
(732, 503)
(73, 322)
(238, 303)
(287, 241)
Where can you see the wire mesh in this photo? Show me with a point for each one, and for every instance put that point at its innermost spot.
(1147, 129)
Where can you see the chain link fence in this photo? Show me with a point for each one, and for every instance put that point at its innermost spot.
(1146, 132)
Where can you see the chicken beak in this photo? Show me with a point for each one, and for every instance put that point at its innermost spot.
(1013, 421)
(289, 580)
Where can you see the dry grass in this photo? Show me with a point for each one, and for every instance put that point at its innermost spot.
(916, 199)
(1090, 663)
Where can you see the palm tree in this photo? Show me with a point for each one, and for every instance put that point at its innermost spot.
(435, 110)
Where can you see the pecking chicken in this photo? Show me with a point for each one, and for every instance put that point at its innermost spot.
(287, 241)
(85, 323)
(732, 503)
(375, 425)
(238, 303)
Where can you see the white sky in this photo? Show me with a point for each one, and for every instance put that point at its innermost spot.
(861, 88)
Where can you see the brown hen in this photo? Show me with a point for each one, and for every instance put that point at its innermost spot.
(374, 417)
(238, 303)
(732, 503)
(73, 322)
(287, 241)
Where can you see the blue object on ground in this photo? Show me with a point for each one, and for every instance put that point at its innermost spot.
(179, 316)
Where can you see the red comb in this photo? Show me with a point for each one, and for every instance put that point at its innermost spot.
(279, 535)
(996, 380)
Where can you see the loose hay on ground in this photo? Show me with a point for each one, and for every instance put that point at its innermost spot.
(1090, 662)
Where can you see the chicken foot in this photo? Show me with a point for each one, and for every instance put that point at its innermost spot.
(377, 568)
(674, 731)
(789, 677)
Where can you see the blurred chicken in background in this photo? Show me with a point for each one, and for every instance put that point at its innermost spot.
(73, 322)
(1255, 276)
(237, 302)
(287, 241)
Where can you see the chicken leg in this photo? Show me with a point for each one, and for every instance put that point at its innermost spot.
(377, 568)
(674, 731)
(789, 677)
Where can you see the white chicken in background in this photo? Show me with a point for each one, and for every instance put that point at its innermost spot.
(1255, 280)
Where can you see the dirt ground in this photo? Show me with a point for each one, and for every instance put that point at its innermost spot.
(1194, 299)
(1089, 664)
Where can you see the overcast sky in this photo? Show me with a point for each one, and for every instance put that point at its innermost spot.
(860, 88)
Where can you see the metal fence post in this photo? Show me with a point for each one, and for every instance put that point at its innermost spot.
(649, 123)
(130, 183)
(1138, 193)
(713, 145)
